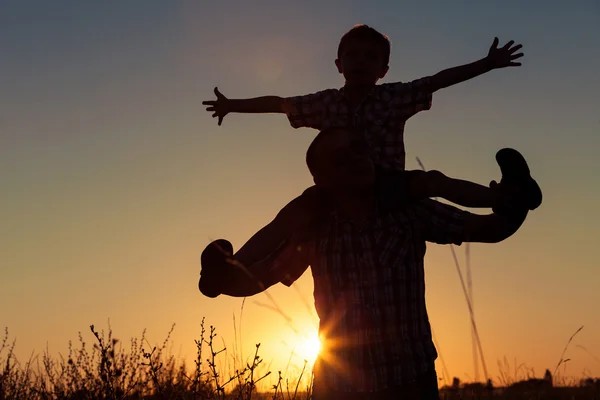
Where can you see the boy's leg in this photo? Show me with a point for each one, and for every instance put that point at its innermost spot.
(426, 184)
(515, 173)
(517, 186)
(213, 261)
(292, 218)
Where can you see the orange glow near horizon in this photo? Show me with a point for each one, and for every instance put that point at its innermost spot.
(114, 177)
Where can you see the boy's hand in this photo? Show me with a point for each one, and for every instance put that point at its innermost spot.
(220, 106)
(504, 56)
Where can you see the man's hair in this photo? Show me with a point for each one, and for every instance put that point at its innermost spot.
(311, 153)
(365, 32)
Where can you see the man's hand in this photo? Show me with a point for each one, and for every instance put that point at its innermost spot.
(504, 56)
(220, 107)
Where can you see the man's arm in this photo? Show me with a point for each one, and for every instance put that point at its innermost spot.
(445, 224)
(496, 58)
(493, 228)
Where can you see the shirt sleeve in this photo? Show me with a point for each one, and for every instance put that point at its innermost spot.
(289, 265)
(307, 111)
(409, 98)
(441, 223)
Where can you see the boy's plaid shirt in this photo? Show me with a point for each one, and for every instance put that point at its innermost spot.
(381, 116)
(370, 294)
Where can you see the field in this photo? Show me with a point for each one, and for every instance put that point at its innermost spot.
(109, 370)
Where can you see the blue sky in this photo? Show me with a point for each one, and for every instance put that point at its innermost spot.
(115, 178)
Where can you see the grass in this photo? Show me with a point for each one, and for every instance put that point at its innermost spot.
(109, 370)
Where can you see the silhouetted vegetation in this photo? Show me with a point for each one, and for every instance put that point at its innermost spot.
(107, 370)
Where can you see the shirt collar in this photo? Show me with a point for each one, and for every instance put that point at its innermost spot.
(374, 93)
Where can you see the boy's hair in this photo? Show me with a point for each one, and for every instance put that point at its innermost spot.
(365, 32)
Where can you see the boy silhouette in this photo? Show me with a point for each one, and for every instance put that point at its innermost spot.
(376, 116)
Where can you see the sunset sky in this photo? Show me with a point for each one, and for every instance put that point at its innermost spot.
(114, 178)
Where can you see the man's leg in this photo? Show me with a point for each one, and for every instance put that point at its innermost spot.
(427, 385)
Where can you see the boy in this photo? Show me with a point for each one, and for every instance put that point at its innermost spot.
(377, 114)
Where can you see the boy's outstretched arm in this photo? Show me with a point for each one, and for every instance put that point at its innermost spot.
(222, 105)
(497, 58)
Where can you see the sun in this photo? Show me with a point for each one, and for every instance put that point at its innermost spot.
(308, 347)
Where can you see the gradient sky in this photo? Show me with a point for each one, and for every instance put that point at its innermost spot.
(114, 178)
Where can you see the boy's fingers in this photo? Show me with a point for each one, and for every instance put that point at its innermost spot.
(210, 109)
(514, 64)
(217, 93)
(220, 120)
(517, 47)
(515, 56)
(510, 43)
(495, 43)
(214, 115)
(208, 103)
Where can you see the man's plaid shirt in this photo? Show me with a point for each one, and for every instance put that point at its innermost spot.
(370, 293)
(381, 117)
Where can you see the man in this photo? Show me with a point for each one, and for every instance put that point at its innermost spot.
(366, 253)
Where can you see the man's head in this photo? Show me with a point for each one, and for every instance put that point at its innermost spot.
(363, 55)
(337, 159)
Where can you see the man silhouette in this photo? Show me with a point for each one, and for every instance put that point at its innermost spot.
(366, 251)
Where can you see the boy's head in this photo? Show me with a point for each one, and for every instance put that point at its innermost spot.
(363, 55)
(338, 160)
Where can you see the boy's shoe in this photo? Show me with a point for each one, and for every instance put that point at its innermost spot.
(516, 183)
(214, 266)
